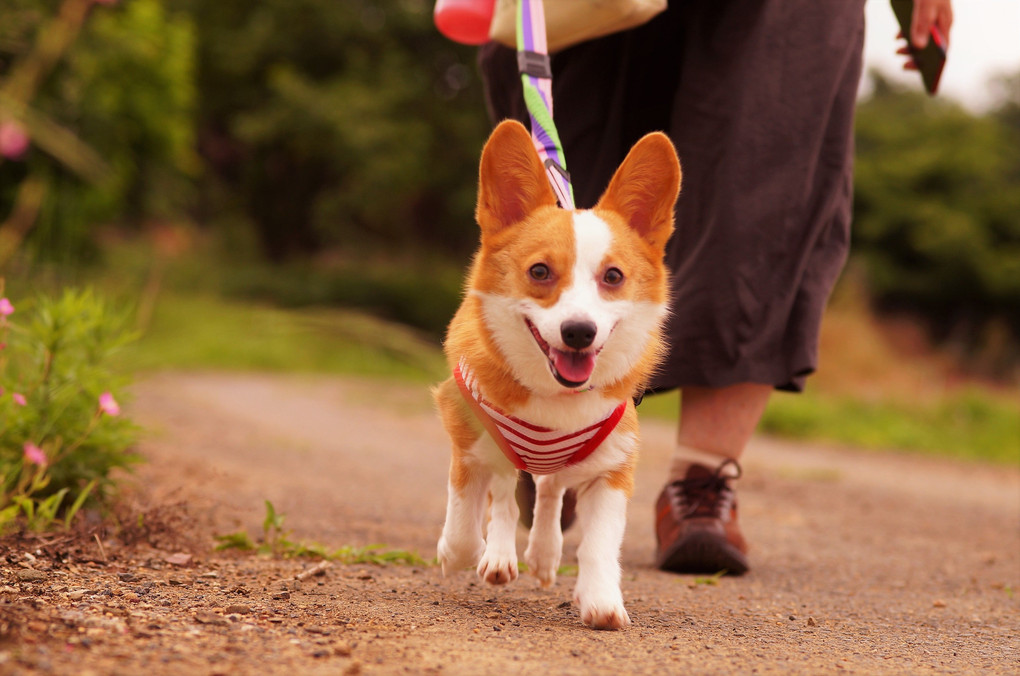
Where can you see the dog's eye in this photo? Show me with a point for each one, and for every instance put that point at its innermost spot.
(613, 277)
(539, 272)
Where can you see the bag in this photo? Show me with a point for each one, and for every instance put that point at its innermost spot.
(568, 22)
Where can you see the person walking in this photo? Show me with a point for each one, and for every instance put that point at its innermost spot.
(758, 97)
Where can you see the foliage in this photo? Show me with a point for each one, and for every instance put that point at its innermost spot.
(969, 424)
(61, 432)
(421, 293)
(277, 542)
(201, 331)
(109, 113)
(342, 125)
(937, 210)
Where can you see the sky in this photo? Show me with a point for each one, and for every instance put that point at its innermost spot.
(985, 41)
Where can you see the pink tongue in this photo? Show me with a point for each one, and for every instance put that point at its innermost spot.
(575, 367)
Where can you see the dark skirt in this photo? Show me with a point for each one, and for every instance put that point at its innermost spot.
(758, 97)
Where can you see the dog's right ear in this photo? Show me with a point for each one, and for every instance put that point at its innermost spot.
(511, 179)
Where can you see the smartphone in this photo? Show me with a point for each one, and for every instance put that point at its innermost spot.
(932, 58)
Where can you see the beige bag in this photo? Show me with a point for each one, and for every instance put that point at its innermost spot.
(568, 22)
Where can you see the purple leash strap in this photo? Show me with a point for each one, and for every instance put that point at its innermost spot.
(536, 76)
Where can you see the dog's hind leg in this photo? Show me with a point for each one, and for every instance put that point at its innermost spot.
(499, 563)
(545, 542)
(602, 515)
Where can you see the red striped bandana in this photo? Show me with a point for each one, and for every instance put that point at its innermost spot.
(533, 448)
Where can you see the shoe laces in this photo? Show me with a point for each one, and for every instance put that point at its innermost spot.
(707, 495)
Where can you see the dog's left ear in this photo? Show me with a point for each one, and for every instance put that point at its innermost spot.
(645, 187)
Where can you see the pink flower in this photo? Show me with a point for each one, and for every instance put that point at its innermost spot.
(34, 454)
(13, 140)
(108, 405)
(18, 398)
(6, 308)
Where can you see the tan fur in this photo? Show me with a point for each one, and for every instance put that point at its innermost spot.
(622, 478)
(521, 226)
(461, 425)
(508, 252)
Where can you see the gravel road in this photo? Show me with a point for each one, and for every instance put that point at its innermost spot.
(862, 562)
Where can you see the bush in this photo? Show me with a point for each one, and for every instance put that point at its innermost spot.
(61, 432)
(937, 212)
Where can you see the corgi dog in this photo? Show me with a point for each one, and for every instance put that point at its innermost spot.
(559, 329)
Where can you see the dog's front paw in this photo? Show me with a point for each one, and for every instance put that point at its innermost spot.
(497, 568)
(456, 556)
(603, 611)
(543, 563)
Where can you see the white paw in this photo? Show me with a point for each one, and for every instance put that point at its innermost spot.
(497, 568)
(543, 564)
(456, 555)
(603, 611)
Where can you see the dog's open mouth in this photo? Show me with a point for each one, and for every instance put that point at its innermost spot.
(571, 368)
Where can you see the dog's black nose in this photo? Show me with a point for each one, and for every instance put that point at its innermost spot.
(578, 334)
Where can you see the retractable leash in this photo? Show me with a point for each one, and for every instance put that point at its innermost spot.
(536, 76)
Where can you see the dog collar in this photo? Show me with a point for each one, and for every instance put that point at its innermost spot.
(534, 448)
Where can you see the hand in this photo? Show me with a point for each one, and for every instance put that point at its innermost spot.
(927, 14)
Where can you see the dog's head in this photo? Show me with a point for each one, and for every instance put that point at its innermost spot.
(573, 300)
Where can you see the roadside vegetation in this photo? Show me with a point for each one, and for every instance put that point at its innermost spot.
(289, 186)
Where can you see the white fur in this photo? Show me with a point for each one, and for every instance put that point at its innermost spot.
(623, 326)
(623, 330)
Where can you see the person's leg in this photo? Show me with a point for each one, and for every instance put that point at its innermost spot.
(716, 423)
(696, 514)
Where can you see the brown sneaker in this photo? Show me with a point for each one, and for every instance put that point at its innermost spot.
(525, 495)
(696, 524)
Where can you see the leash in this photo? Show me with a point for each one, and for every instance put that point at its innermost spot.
(536, 75)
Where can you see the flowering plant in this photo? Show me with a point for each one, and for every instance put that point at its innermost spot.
(61, 428)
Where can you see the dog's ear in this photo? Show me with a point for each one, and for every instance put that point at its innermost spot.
(511, 180)
(645, 187)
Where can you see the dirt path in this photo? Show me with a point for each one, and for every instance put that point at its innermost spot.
(866, 563)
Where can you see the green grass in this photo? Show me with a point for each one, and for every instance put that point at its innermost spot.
(205, 332)
(972, 424)
(276, 542)
(205, 319)
(969, 423)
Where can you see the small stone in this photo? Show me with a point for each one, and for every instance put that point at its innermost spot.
(207, 617)
(939, 603)
(281, 596)
(31, 575)
(342, 649)
(237, 608)
(178, 559)
(75, 595)
(127, 577)
(811, 622)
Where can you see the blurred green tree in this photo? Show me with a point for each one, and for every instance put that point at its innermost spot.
(104, 96)
(937, 210)
(342, 125)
